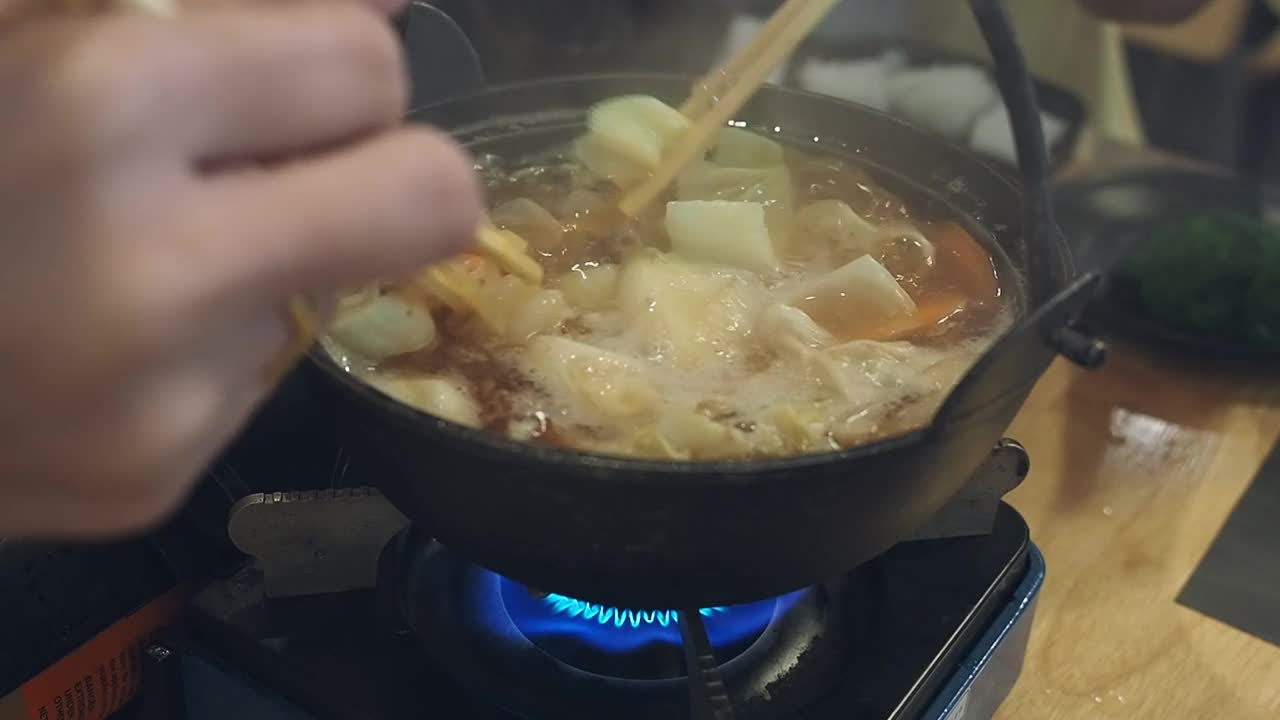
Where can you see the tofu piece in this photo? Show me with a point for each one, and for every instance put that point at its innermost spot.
(685, 314)
(635, 127)
(786, 329)
(606, 163)
(860, 294)
(722, 232)
(769, 186)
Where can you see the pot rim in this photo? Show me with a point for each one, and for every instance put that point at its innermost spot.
(483, 442)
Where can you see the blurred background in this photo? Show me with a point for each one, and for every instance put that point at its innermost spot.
(1169, 132)
(1208, 88)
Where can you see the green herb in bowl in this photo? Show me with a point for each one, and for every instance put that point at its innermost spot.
(1216, 275)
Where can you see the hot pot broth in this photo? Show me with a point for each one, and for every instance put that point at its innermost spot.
(778, 302)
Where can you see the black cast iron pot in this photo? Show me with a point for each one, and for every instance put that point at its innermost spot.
(674, 535)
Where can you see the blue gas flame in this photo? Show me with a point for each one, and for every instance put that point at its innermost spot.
(620, 630)
(618, 617)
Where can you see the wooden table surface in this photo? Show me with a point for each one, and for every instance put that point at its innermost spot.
(1134, 469)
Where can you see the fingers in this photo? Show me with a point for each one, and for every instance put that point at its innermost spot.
(248, 81)
(287, 78)
(251, 82)
(381, 208)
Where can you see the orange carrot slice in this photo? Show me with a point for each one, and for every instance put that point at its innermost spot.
(930, 312)
(968, 257)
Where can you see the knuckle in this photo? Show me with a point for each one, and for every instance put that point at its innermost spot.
(104, 86)
(433, 162)
(440, 179)
(368, 48)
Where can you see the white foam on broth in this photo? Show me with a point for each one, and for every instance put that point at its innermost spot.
(638, 352)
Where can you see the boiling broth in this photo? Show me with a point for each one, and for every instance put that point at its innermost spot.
(629, 349)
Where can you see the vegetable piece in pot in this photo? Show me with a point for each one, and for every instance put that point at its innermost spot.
(856, 296)
(719, 231)
(439, 396)
(383, 326)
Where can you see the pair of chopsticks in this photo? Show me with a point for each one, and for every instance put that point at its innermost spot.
(721, 94)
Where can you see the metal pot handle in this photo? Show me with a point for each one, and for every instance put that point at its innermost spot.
(1018, 92)
(1019, 357)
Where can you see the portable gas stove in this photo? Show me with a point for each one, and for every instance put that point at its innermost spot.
(347, 611)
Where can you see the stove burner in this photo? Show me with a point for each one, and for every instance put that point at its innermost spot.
(620, 617)
(628, 643)
(545, 656)
(623, 629)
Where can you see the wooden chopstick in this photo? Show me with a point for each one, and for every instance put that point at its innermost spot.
(713, 83)
(504, 248)
(798, 18)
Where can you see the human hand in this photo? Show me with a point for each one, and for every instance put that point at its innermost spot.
(145, 270)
